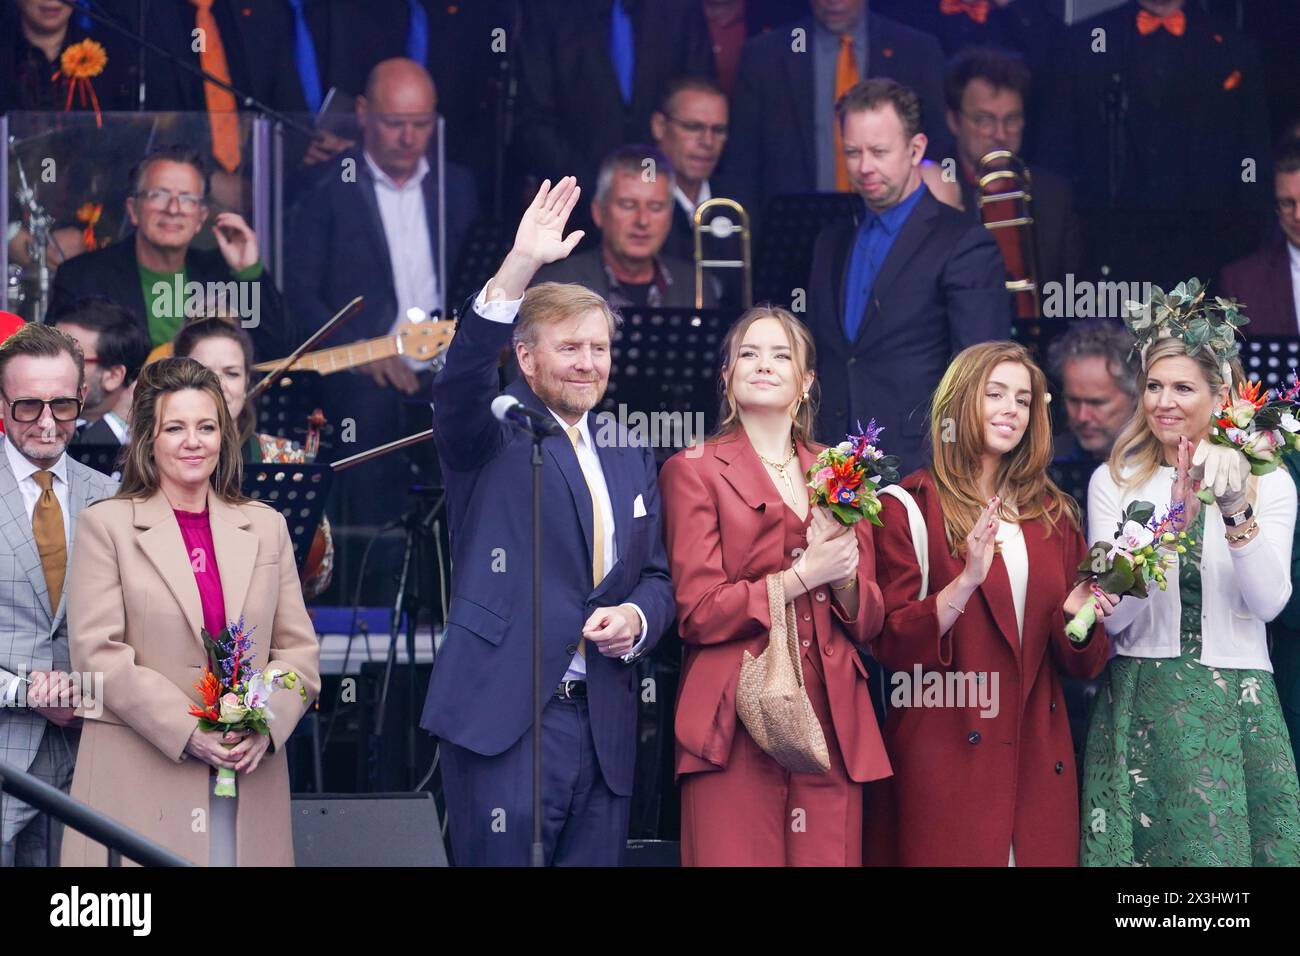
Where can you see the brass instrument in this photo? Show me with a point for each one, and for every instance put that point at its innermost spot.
(722, 227)
(1005, 205)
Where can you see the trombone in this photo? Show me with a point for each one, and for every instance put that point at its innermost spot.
(721, 227)
(1004, 179)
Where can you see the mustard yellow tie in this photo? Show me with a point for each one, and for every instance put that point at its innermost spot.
(47, 528)
(597, 529)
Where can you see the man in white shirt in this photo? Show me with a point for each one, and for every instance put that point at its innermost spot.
(690, 128)
(114, 347)
(371, 227)
(1268, 280)
(42, 491)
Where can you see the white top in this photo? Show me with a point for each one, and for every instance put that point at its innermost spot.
(410, 250)
(1011, 541)
(685, 202)
(1241, 588)
(23, 471)
(1294, 253)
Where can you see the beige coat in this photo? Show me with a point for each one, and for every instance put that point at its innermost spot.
(134, 615)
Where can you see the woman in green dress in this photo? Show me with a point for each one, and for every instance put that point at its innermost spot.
(1188, 760)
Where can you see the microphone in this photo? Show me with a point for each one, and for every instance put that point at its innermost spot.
(508, 409)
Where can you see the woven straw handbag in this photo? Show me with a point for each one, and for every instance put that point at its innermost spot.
(771, 700)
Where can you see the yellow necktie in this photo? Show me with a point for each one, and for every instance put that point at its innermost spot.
(846, 77)
(597, 529)
(222, 113)
(47, 527)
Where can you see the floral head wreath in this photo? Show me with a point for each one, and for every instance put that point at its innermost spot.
(1186, 313)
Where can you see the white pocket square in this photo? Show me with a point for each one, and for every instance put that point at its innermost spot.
(638, 508)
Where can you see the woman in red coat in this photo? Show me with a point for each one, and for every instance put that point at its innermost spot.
(977, 729)
(736, 510)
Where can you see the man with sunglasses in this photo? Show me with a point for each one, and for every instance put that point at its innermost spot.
(42, 491)
(153, 271)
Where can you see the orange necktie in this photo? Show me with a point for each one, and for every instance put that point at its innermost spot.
(1149, 23)
(222, 113)
(47, 529)
(846, 77)
(977, 10)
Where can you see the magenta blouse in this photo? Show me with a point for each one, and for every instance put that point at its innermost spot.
(197, 535)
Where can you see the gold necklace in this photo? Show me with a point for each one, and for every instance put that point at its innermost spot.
(779, 468)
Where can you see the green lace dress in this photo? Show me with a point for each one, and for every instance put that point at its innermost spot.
(1188, 765)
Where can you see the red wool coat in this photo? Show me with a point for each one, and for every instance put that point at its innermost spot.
(723, 522)
(965, 785)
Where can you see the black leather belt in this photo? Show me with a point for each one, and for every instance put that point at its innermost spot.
(572, 690)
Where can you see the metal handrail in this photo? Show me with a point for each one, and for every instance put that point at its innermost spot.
(120, 840)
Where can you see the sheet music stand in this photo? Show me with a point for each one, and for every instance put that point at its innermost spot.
(298, 492)
(790, 224)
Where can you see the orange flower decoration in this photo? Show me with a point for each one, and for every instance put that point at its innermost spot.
(210, 688)
(1251, 393)
(83, 61)
(1233, 81)
(88, 215)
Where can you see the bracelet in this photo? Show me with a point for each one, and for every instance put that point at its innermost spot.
(807, 590)
(1251, 531)
(853, 582)
(959, 610)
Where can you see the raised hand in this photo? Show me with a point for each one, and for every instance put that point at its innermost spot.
(980, 545)
(539, 239)
(236, 240)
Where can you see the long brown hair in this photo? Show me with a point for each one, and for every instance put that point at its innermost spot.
(957, 439)
(139, 471)
(1137, 447)
(188, 338)
(805, 360)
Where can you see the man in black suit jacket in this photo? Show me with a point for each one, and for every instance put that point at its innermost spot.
(370, 227)
(782, 130)
(634, 214)
(572, 110)
(167, 203)
(893, 298)
(986, 92)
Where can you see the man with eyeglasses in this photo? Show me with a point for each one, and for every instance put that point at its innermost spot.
(153, 272)
(43, 491)
(114, 349)
(986, 91)
(1268, 280)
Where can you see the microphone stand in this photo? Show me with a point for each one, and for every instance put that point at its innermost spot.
(538, 855)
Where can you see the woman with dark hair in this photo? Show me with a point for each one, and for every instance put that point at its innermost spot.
(179, 548)
(227, 350)
(737, 519)
(974, 632)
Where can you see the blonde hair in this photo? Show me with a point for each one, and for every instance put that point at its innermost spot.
(139, 471)
(1022, 480)
(1137, 450)
(805, 360)
(549, 302)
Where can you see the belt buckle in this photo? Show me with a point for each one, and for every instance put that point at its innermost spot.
(567, 687)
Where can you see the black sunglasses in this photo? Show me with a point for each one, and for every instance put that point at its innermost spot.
(30, 409)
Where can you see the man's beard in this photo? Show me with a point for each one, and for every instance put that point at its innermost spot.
(94, 394)
(566, 403)
(38, 451)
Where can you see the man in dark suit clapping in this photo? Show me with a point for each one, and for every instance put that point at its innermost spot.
(894, 296)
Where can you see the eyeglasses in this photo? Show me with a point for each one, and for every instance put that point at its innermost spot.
(698, 129)
(987, 122)
(31, 409)
(162, 199)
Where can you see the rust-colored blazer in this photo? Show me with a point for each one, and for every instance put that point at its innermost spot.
(134, 615)
(965, 784)
(724, 526)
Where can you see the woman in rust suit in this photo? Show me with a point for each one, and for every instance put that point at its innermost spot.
(736, 510)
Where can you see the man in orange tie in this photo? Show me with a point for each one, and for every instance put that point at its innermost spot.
(784, 138)
(42, 385)
(1157, 107)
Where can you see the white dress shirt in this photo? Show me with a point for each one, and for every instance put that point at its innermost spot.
(685, 201)
(589, 461)
(410, 250)
(1293, 252)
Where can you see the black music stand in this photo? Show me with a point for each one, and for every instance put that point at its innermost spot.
(789, 228)
(298, 492)
(102, 458)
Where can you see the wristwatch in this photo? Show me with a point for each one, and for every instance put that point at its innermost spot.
(1240, 518)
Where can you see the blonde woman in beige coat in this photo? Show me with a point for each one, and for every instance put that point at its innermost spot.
(139, 590)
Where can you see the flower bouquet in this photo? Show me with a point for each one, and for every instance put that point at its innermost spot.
(236, 697)
(844, 477)
(1259, 425)
(1143, 550)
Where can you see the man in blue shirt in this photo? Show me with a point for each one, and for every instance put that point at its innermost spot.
(893, 296)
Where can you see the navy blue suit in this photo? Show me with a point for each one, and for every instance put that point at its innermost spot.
(480, 695)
